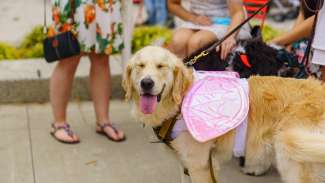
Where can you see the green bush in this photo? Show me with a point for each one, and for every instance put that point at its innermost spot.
(33, 52)
(147, 35)
(30, 47)
(8, 52)
(269, 33)
(32, 44)
(34, 37)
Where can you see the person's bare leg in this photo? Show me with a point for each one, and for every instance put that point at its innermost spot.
(100, 85)
(179, 42)
(60, 91)
(200, 39)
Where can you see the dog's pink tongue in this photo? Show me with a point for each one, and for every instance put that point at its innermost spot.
(148, 104)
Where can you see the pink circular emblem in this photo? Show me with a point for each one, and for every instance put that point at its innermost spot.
(214, 106)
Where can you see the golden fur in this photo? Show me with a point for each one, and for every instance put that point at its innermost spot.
(286, 122)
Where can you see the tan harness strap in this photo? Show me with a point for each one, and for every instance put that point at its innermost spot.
(164, 135)
(214, 180)
(166, 128)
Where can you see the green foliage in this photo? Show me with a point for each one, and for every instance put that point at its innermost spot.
(30, 47)
(34, 52)
(32, 44)
(8, 52)
(34, 37)
(146, 35)
(269, 33)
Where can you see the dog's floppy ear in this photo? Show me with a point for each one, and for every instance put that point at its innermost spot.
(182, 81)
(126, 83)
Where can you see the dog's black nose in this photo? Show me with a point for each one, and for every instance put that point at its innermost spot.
(147, 84)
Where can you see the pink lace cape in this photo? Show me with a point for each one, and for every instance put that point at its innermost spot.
(217, 103)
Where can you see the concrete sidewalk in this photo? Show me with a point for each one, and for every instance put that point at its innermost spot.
(27, 81)
(28, 154)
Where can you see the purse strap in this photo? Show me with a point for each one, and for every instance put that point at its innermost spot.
(72, 11)
(45, 23)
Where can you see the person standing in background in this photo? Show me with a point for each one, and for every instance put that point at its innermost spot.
(319, 40)
(157, 12)
(302, 27)
(99, 31)
(296, 40)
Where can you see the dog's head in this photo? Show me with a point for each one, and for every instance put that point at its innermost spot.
(291, 66)
(156, 79)
(254, 57)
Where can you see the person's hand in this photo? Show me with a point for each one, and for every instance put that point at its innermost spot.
(202, 20)
(226, 47)
(289, 48)
(273, 41)
(276, 41)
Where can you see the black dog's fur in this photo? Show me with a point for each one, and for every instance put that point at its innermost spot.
(264, 60)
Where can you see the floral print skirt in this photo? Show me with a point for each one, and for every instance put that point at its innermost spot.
(98, 24)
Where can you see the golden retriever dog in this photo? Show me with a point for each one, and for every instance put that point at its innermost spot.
(286, 120)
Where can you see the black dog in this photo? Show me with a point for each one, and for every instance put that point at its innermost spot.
(252, 57)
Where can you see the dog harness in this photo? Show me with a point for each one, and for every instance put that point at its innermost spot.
(216, 104)
(244, 59)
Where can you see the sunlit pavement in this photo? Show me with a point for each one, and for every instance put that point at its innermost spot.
(28, 154)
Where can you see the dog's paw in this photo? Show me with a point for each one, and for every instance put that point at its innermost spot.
(255, 170)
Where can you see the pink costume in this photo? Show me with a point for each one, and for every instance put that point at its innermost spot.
(217, 103)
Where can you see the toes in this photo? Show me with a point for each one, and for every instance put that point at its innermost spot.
(120, 134)
(75, 138)
(63, 136)
(110, 132)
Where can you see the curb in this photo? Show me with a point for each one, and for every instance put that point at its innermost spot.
(27, 81)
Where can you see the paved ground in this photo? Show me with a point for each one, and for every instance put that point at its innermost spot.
(29, 155)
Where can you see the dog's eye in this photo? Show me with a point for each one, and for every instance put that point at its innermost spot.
(141, 65)
(159, 66)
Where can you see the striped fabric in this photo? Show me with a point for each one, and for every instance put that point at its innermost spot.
(210, 8)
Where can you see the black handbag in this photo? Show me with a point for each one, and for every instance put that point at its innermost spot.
(62, 45)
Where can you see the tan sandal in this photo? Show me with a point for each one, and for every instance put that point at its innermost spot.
(109, 125)
(66, 127)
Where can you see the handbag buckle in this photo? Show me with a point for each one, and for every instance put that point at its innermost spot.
(55, 43)
(74, 32)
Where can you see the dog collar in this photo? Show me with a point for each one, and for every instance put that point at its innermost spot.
(163, 132)
(244, 59)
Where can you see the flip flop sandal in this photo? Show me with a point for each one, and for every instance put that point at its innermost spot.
(102, 132)
(67, 129)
